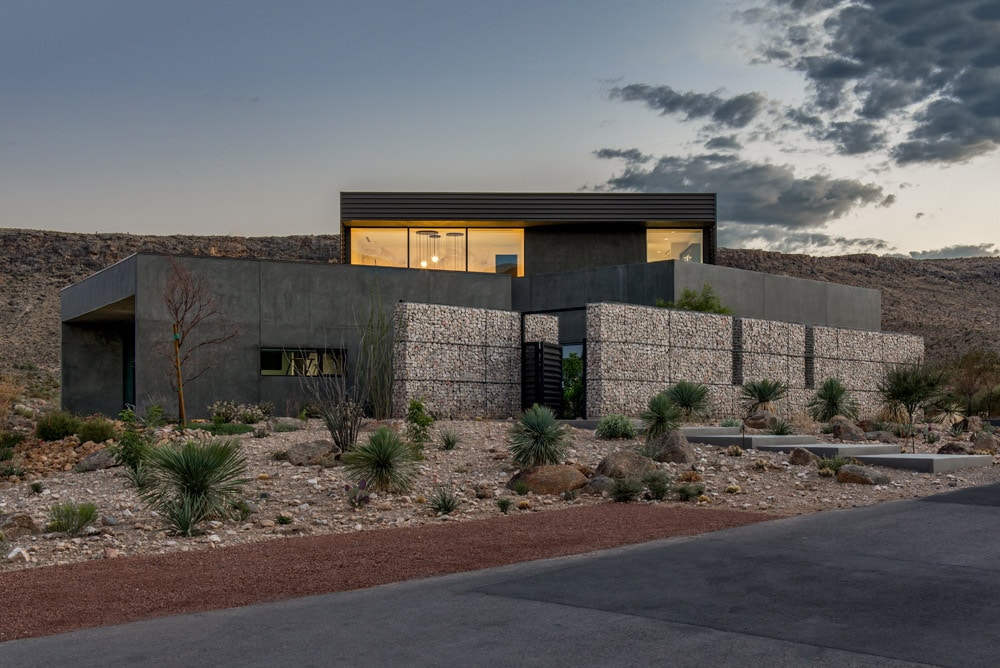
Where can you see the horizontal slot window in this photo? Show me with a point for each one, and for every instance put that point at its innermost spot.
(302, 361)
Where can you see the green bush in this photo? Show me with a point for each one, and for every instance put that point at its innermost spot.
(691, 398)
(195, 482)
(781, 428)
(537, 438)
(10, 439)
(385, 461)
(418, 424)
(574, 394)
(832, 463)
(71, 518)
(625, 490)
(705, 301)
(614, 426)
(449, 440)
(660, 416)
(443, 501)
(688, 491)
(832, 398)
(732, 422)
(761, 395)
(97, 429)
(223, 428)
(56, 425)
(132, 451)
(657, 484)
(504, 504)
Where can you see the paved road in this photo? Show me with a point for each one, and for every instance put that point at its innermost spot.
(906, 583)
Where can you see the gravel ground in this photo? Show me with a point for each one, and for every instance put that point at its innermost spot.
(129, 567)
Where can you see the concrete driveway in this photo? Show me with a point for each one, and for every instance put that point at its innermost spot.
(905, 583)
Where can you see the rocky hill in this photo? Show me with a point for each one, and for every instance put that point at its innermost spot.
(954, 304)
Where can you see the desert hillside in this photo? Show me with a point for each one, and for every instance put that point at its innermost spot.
(954, 304)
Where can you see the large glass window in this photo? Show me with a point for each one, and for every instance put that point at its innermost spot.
(438, 248)
(301, 362)
(378, 246)
(497, 251)
(667, 244)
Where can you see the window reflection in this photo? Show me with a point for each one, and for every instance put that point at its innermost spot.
(492, 251)
(497, 251)
(381, 247)
(667, 244)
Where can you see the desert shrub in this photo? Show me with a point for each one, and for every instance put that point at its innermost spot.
(660, 416)
(734, 451)
(732, 422)
(705, 301)
(283, 427)
(224, 411)
(689, 491)
(689, 476)
(657, 484)
(97, 429)
(132, 450)
(832, 463)
(223, 428)
(520, 487)
(384, 460)
(11, 439)
(195, 482)
(357, 495)
(6, 454)
(574, 394)
(626, 490)
(11, 469)
(254, 413)
(504, 503)
(832, 398)
(151, 416)
(537, 438)
(56, 425)
(761, 395)
(449, 440)
(781, 428)
(691, 398)
(443, 501)
(615, 426)
(911, 387)
(71, 518)
(418, 424)
(9, 391)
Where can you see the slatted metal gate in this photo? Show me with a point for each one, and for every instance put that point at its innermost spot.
(541, 375)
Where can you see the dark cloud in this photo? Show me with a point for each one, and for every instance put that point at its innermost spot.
(734, 112)
(750, 192)
(971, 250)
(628, 155)
(728, 143)
(933, 62)
(796, 241)
(919, 215)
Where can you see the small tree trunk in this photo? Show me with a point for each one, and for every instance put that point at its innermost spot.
(182, 418)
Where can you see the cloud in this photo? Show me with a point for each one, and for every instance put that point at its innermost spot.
(928, 68)
(970, 250)
(728, 143)
(751, 192)
(734, 112)
(629, 155)
(793, 241)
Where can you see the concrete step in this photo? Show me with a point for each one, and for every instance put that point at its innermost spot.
(928, 463)
(755, 441)
(839, 449)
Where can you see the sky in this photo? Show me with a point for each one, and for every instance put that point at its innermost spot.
(825, 126)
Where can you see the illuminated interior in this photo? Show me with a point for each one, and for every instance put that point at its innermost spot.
(446, 248)
(667, 244)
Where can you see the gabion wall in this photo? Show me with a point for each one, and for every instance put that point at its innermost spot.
(462, 362)
(633, 352)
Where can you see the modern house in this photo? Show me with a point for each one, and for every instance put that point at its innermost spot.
(472, 278)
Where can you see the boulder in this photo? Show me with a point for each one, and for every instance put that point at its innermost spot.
(861, 475)
(672, 447)
(802, 457)
(984, 441)
(761, 420)
(881, 436)
(598, 485)
(953, 448)
(554, 479)
(625, 464)
(99, 459)
(17, 525)
(310, 453)
(844, 429)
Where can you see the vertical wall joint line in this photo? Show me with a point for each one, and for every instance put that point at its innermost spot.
(737, 351)
(810, 357)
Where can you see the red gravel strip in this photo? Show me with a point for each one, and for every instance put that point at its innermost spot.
(55, 599)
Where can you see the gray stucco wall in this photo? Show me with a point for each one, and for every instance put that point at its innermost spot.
(92, 368)
(561, 248)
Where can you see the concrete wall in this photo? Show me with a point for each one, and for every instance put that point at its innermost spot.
(633, 352)
(550, 249)
(92, 367)
(748, 293)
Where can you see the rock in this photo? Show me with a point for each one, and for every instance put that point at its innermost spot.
(17, 525)
(101, 459)
(18, 552)
(598, 485)
(845, 430)
(109, 521)
(861, 475)
(953, 448)
(973, 424)
(802, 457)
(309, 453)
(625, 464)
(984, 441)
(761, 420)
(881, 436)
(111, 553)
(672, 447)
(293, 422)
(550, 479)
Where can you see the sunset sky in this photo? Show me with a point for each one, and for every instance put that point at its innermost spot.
(824, 126)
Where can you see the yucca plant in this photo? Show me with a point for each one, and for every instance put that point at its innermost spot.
(195, 482)
(660, 416)
(384, 460)
(781, 428)
(537, 438)
(443, 501)
(449, 440)
(911, 386)
(761, 395)
(832, 398)
(691, 398)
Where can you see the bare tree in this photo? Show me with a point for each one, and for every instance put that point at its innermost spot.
(191, 309)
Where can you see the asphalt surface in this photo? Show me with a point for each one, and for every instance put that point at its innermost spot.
(905, 583)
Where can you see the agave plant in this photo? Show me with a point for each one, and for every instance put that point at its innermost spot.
(385, 461)
(691, 398)
(761, 395)
(832, 398)
(537, 438)
(661, 415)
